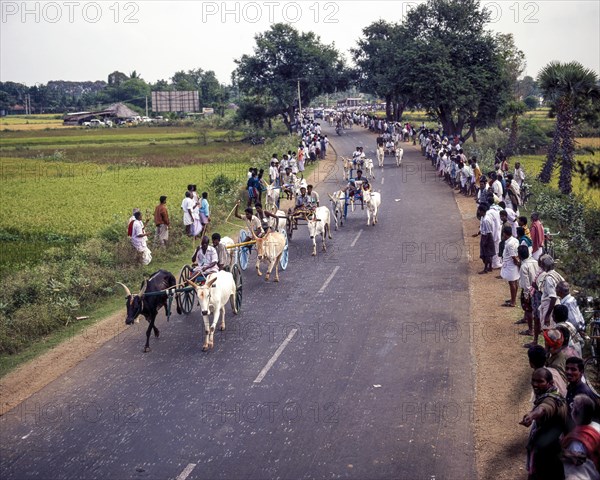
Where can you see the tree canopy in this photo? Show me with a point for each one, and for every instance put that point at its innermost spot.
(283, 58)
(444, 60)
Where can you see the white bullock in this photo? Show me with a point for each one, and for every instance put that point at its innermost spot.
(338, 202)
(212, 298)
(380, 155)
(319, 223)
(348, 166)
(372, 201)
(399, 155)
(272, 198)
(369, 167)
(269, 248)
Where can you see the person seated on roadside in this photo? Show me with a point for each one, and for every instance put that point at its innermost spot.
(222, 252)
(581, 446)
(253, 223)
(555, 356)
(312, 196)
(205, 259)
(537, 359)
(288, 183)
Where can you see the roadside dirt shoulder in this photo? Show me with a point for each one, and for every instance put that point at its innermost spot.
(502, 369)
(34, 375)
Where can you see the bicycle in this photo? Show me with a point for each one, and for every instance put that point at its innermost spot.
(525, 194)
(549, 243)
(592, 339)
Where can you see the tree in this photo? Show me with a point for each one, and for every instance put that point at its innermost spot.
(460, 73)
(574, 95)
(284, 58)
(513, 110)
(532, 102)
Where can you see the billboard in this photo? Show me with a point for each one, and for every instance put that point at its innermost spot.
(187, 101)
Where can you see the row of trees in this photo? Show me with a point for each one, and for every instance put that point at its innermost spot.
(62, 96)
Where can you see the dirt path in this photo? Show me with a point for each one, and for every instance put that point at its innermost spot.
(502, 368)
(34, 375)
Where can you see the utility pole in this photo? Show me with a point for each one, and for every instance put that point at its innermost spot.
(146, 105)
(299, 99)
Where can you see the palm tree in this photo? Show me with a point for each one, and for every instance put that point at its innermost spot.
(567, 86)
(513, 110)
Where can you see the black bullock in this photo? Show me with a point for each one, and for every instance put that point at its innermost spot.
(148, 302)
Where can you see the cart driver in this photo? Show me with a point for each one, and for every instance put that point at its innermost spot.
(355, 185)
(205, 259)
(252, 221)
(222, 253)
(390, 146)
(264, 216)
(302, 201)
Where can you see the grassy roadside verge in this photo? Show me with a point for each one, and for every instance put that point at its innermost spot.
(102, 309)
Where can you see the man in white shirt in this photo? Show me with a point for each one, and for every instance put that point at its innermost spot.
(138, 239)
(274, 173)
(188, 206)
(205, 258)
(510, 265)
(566, 299)
(519, 174)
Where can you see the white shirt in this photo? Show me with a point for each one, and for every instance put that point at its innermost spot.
(139, 243)
(186, 205)
(203, 259)
(575, 316)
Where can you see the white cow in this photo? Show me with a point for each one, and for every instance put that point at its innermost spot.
(269, 248)
(399, 155)
(348, 166)
(372, 201)
(319, 224)
(338, 202)
(369, 168)
(272, 198)
(213, 296)
(380, 155)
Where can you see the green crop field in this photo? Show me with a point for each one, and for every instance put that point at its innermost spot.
(80, 199)
(532, 165)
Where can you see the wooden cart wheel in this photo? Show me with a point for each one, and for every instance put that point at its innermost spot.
(244, 251)
(185, 297)
(290, 224)
(283, 261)
(236, 301)
(346, 202)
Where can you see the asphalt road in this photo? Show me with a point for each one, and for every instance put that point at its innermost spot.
(370, 374)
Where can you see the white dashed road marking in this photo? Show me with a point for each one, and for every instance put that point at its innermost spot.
(356, 238)
(328, 279)
(186, 471)
(275, 356)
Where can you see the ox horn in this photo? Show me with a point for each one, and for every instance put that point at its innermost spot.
(127, 292)
(144, 286)
(192, 284)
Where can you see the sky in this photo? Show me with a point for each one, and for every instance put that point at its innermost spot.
(82, 40)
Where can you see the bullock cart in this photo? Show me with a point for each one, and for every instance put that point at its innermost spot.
(296, 218)
(185, 293)
(240, 252)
